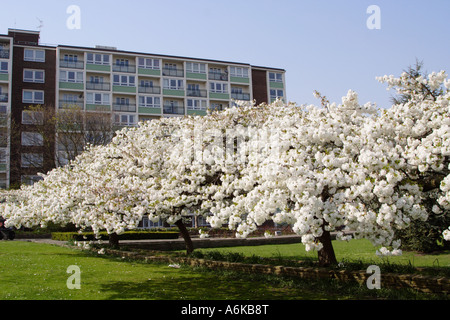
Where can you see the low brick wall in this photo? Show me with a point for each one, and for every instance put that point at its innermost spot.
(421, 283)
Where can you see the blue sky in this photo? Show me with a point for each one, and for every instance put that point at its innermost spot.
(323, 45)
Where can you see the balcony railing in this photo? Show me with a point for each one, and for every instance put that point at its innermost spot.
(121, 107)
(154, 89)
(104, 86)
(131, 68)
(173, 72)
(71, 64)
(4, 97)
(222, 76)
(64, 104)
(174, 109)
(240, 96)
(197, 93)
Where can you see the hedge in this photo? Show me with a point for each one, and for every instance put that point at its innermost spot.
(128, 235)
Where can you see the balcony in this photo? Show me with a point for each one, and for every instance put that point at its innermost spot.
(65, 104)
(173, 72)
(124, 107)
(197, 93)
(174, 109)
(130, 68)
(222, 76)
(71, 64)
(150, 89)
(240, 96)
(102, 86)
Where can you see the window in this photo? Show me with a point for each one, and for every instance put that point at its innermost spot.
(274, 94)
(97, 58)
(218, 87)
(275, 77)
(148, 63)
(32, 160)
(97, 98)
(173, 84)
(239, 72)
(3, 156)
(123, 101)
(149, 102)
(70, 57)
(96, 79)
(170, 66)
(32, 96)
(29, 180)
(3, 67)
(32, 117)
(125, 119)
(147, 83)
(218, 106)
(37, 76)
(32, 139)
(71, 76)
(125, 81)
(196, 104)
(71, 98)
(122, 62)
(195, 67)
(34, 55)
(148, 224)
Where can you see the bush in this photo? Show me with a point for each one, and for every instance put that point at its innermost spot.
(426, 236)
(128, 235)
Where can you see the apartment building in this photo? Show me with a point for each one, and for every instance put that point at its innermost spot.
(5, 108)
(127, 87)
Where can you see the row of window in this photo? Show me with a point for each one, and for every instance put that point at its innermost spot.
(149, 63)
(36, 55)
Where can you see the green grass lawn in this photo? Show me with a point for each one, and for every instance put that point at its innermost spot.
(32, 271)
(354, 250)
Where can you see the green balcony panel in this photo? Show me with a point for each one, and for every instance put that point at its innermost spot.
(124, 89)
(97, 67)
(276, 85)
(4, 77)
(149, 72)
(71, 85)
(170, 92)
(199, 76)
(147, 110)
(240, 80)
(3, 167)
(97, 107)
(196, 113)
(222, 96)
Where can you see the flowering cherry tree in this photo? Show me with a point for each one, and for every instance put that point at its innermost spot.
(320, 169)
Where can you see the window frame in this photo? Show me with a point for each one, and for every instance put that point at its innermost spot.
(145, 102)
(33, 78)
(34, 57)
(33, 99)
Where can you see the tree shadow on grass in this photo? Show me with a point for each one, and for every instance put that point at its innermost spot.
(202, 286)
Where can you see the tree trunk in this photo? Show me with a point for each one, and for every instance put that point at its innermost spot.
(114, 240)
(326, 254)
(185, 234)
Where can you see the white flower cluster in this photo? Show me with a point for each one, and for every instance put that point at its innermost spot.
(319, 169)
